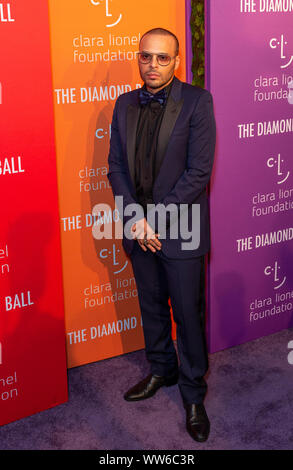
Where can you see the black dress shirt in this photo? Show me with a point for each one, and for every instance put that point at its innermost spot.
(148, 129)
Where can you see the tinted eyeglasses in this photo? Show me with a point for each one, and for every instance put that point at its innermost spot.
(162, 59)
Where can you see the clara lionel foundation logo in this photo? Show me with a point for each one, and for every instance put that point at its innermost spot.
(280, 44)
(111, 21)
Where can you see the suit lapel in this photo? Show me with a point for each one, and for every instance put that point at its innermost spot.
(172, 111)
(132, 120)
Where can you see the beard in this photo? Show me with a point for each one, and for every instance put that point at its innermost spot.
(159, 82)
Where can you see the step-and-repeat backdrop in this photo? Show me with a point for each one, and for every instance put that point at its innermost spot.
(32, 334)
(250, 74)
(94, 47)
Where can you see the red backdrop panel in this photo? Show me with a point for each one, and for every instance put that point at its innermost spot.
(32, 338)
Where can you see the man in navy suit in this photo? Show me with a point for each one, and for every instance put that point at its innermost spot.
(161, 157)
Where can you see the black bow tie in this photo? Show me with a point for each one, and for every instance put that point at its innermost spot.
(145, 97)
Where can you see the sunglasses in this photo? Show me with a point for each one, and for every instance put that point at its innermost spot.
(162, 59)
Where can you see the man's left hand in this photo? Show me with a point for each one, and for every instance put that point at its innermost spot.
(146, 237)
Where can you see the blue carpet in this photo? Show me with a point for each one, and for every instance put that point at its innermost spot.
(249, 403)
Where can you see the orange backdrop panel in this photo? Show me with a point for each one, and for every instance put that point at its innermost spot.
(93, 45)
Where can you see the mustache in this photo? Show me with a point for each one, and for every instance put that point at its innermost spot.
(153, 72)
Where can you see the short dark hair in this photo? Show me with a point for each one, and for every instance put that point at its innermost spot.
(163, 32)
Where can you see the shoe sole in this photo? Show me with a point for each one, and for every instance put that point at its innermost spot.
(198, 440)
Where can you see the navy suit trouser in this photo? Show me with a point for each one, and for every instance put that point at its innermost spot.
(158, 278)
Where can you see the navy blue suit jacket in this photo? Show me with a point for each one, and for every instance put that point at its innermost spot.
(184, 160)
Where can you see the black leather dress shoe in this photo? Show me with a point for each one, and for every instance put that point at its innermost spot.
(149, 385)
(197, 422)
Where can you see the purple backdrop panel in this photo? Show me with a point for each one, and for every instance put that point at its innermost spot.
(249, 59)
